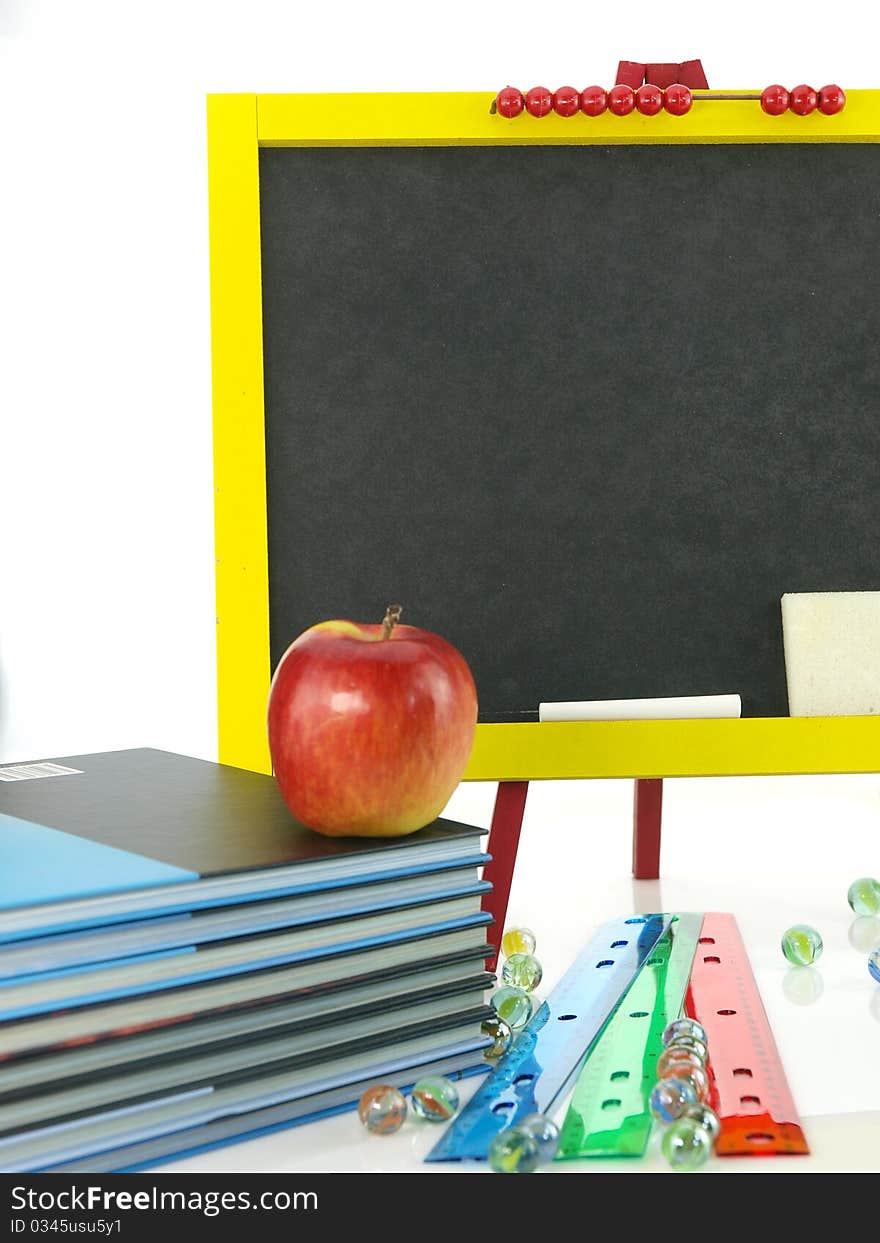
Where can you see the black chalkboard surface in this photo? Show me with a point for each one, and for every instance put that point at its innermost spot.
(588, 412)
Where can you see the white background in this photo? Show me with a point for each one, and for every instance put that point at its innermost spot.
(106, 562)
(106, 571)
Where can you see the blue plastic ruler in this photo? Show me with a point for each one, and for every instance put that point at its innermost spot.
(544, 1060)
(608, 1114)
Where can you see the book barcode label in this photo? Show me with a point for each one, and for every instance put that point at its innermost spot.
(29, 772)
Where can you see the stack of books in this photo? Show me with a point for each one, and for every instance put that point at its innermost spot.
(182, 964)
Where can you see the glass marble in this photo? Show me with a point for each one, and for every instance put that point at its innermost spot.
(670, 1098)
(501, 1036)
(514, 1005)
(695, 1075)
(523, 971)
(686, 1144)
(684, 1027)
(518, 941)
(673, 1057)
(863, 896)
(801, 945)
(707, 1118)
(435, 1099)
(693, 1045)
(382, 1109)
(514, 1151)
(874, 965)
(545, 1131)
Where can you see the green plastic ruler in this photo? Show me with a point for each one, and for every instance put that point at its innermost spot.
(608, 1115)
(544, 1060)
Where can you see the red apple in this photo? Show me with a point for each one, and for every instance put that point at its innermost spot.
(370, 726)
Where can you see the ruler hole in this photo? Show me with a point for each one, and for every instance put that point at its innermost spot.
(707, 940)
(606, 962)
(742, 1070)
(760, 1137)
(638, 1014)
(750, 1100)
(711, 958)
(725, 1012)
(618, 944)
(639, 919)
(654, 962)
(611, 1103)
(619, 1074)
(524, 1079)
(565, 1018)
(502, 1107)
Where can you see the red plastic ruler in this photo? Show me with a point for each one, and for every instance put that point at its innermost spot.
(750, 1092)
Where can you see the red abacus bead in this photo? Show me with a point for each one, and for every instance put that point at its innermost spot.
(831, 100)
(775, 100)
(510, 102)
(803, 101)
(621, 100)
(594, 101)
(539, 101)
(566, 101)
(649, 100)
(678, 99)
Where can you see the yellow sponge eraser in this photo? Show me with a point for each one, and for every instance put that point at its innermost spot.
(832, 652)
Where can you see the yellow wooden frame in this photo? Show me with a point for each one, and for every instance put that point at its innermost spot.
(238, 125)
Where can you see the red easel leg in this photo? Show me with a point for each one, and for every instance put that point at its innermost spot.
(647, 816)
(507, 818)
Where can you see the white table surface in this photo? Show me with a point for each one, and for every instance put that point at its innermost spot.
(774, 851)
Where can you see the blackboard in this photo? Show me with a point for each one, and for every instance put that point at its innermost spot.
(586, 411)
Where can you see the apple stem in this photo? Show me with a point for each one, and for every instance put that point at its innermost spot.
(390, 620)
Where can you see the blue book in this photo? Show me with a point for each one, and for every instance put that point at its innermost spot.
(314, 985)
(77, 951)
(234, 1109)
(239, 1127)
(300, 1050)
(60, 990)
(428, 978)
(94, 840)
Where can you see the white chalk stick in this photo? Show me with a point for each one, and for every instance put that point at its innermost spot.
(832, 652)
(676, 708)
